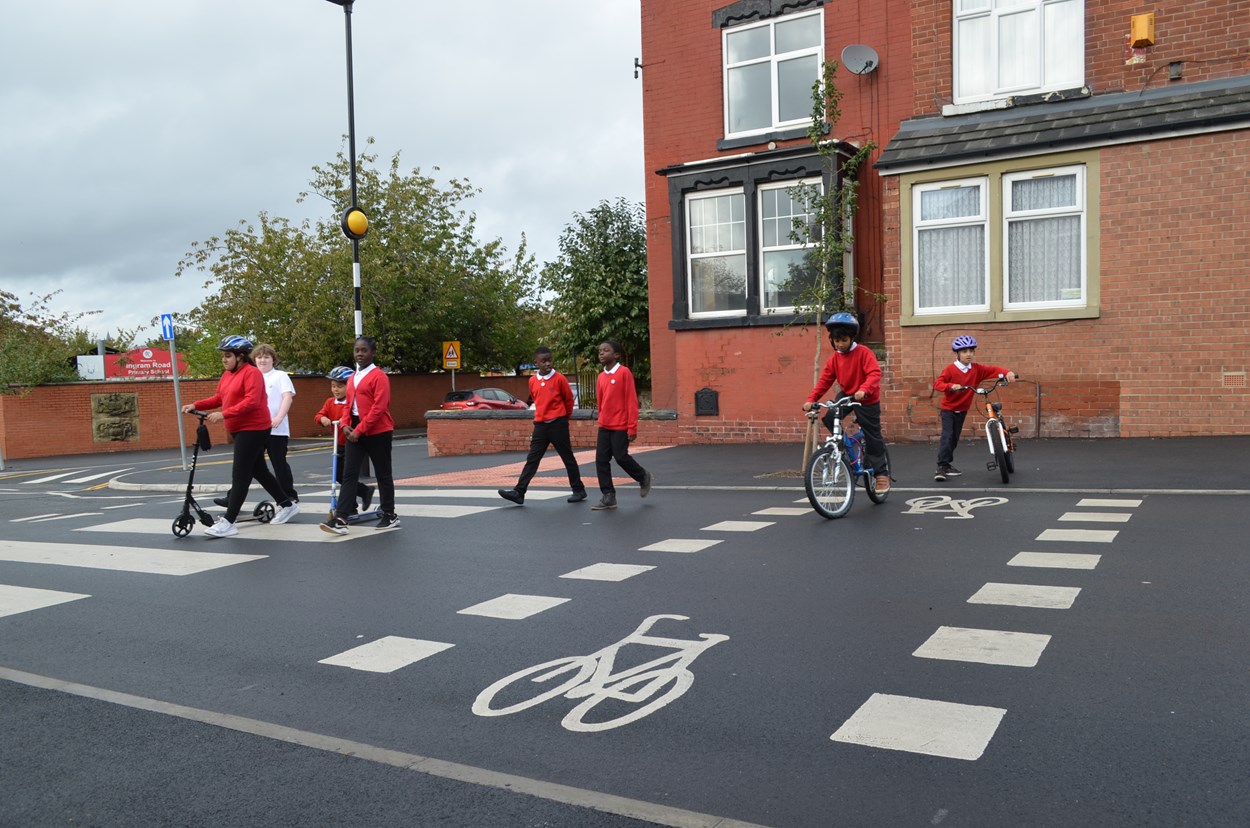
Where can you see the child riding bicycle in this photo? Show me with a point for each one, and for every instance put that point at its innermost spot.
(855, 369)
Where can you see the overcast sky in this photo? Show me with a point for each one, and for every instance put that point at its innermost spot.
(130, 129)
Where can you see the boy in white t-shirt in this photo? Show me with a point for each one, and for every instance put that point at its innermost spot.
(281, 393)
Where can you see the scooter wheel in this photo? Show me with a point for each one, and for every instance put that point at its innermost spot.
(182, 525)
(264, 511)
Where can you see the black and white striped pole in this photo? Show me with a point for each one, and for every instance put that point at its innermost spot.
(354, 223)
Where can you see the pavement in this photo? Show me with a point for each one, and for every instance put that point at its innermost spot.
(1190, 464)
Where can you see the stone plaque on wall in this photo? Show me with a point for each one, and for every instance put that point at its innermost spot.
(115, 417)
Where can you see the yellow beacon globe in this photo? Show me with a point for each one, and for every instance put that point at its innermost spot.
(355, 224)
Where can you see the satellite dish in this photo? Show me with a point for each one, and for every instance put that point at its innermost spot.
(860, 60)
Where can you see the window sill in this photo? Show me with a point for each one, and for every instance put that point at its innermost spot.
(786, 134)
(753, 321)
(1051, 314)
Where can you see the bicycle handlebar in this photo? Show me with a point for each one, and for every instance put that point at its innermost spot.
(1001, 379)
(841, 402)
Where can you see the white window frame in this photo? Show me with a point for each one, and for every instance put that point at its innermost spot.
(994, 12)
(982, 219)
(779, 248)
(773, 59)
(691, 256)
(1079, 209)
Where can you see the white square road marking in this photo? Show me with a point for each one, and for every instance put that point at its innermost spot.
(782, 511)
(1079, 535)
(1055, 560)
(680, 545)
(513, 607)
(431, 510)
(738, 526)
(387, 654)
(1096, 517)
(305, 532)
(15, 599)
(607, 572)
(1109, 502)
(1012, 649)
(120, 558)
(1026, 595)
(934, 728)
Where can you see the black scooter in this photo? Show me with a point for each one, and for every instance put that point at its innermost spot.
(186, 521)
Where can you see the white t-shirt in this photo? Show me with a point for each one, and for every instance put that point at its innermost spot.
(278, 383)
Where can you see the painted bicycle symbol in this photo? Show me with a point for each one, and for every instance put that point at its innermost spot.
(961, 509)
(651, 685)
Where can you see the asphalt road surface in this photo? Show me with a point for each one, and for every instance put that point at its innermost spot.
(1048, 653)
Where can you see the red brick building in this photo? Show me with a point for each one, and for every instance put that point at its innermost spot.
(1077, 204)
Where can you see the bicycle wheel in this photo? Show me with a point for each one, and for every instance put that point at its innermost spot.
(680, 682)
(830, 486)
(870, 483)
(578, 668)
(1000, 453)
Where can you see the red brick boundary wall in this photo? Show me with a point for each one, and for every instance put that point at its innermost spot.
(452, 433)
(55, 420)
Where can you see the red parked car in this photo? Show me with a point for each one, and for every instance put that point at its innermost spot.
(495, 399)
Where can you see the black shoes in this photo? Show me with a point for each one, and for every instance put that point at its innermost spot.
(576, 497)
(608, 501)
(388, 521)
(366, 497)
(335, 526)
(512, 494)
(645, 486)
(223, 502)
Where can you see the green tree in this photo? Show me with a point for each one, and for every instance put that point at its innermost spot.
(599, 282)
(36, 345)
(424, 277)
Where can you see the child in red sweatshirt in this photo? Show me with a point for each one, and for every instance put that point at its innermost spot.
(333, 412)
(618, 424)
(956, 382)
(856, 371)
(553, 405)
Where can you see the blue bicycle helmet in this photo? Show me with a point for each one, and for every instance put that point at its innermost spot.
(843, 322)
(340, 374)
(236, 344)
(962, 342)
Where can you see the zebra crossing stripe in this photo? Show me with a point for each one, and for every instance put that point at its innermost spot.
(15, 599)
(513, 607)
(1012, 649)
(386, 654)
(119, 558)
(1026, 595)
(1096, 517)
(1109, 502)
(1055, 560)
(1079, 535)
(934, 728)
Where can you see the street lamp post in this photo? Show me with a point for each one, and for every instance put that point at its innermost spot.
(354, 222)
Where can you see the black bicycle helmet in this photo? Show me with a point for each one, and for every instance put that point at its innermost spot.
(236, 344)
(843, 323)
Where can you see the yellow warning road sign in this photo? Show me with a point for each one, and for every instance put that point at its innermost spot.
(451, 354)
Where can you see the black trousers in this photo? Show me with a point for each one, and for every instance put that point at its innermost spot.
(869, 419)
(952, 427)
(614, 445)
(249, 465)
(361, 488)
(554, 433)
(275, 447)
(377, 449)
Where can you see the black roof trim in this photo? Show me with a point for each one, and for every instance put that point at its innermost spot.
(747, 11)
(1124, 116)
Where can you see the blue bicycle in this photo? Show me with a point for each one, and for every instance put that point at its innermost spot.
(833, 468)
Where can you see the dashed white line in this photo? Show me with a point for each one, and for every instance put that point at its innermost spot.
(386, 654)
(1109, 502)
(934, 728)
(1055, 560)
(1096, 517)
(1012, 649)
(513, 607)
(1079, 535)
(607, 572)
(738, 526)
(685, 545)
(1026, 595)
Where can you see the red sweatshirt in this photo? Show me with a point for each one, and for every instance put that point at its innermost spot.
(335, 411)
(856, 370)
(553, 397)
(618, 400)
(370, 395)
(953, 375)
(242, 399)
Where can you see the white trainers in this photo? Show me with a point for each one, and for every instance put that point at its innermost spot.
(222, 529)
(286, 513)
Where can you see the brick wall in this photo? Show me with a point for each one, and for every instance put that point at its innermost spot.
(55, 420)
(487, 432)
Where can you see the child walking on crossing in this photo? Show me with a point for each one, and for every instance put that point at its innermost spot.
(956, 382)
(334, 412)
(618, 424)
(553, 405)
